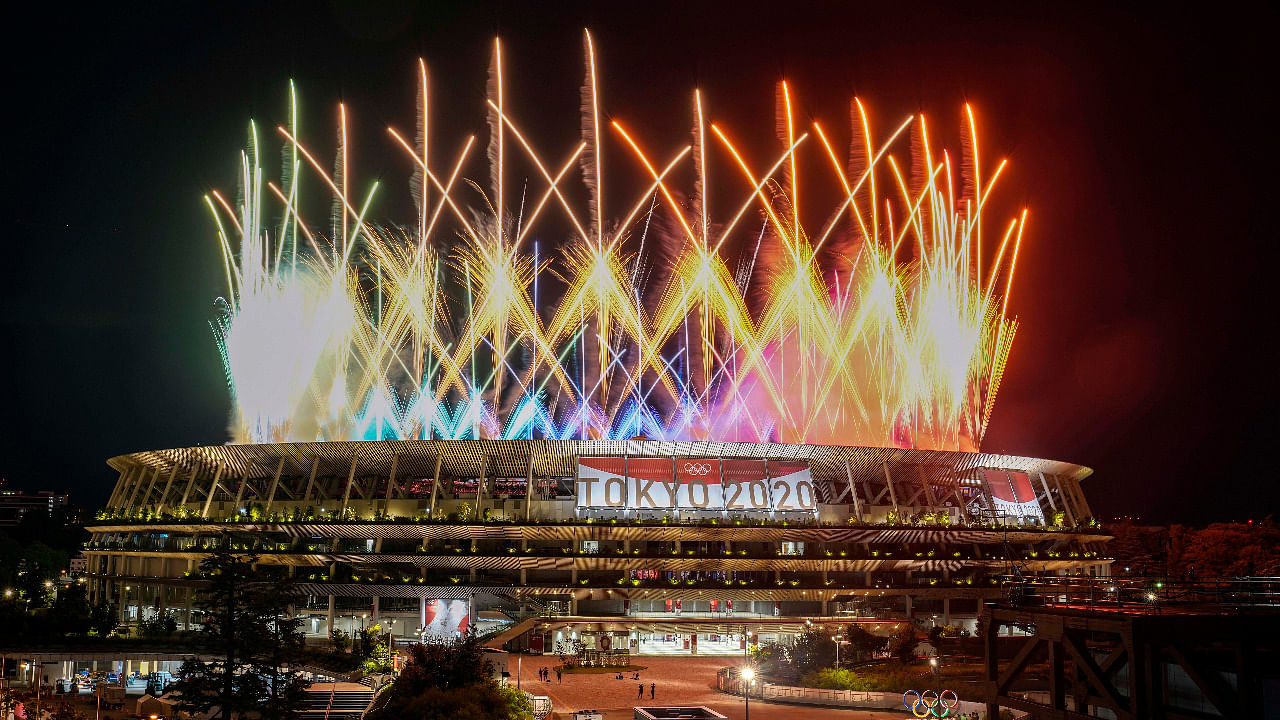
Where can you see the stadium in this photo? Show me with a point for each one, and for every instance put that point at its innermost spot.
(656, 547)
(668, 428)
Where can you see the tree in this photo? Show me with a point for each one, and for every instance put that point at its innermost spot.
(285, 642)
(904, 647)
(254, 640)
(104, 618)
(340, 639)
(1226, 550)
(41, 563)
(71, 614)
(812, 650)
(863, 643)
(450, 682)
(160, 625)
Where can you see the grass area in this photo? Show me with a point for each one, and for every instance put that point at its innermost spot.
(895, 677)
(579, 670)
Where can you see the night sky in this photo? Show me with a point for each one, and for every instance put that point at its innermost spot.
(1140, 142)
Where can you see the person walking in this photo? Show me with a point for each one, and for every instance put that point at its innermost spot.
(559, 676)
(653, 690)
(640, 691)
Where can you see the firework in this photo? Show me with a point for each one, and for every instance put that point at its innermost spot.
(531, 313)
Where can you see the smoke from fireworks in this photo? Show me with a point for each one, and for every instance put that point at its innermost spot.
(515, 307)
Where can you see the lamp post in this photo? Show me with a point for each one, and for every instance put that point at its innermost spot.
(838, 642)
(748, 676)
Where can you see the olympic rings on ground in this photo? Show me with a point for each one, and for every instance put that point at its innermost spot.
(930, 703)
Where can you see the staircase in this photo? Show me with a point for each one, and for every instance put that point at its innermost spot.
(345, 703)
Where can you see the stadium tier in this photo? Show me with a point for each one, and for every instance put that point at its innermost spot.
(653, 544)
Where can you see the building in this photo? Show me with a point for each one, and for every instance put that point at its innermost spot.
(14, 504)
(646, 546)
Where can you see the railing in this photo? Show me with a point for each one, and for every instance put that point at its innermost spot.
(990, 523)
(1145, 594)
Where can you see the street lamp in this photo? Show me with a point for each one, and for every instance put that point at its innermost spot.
(748, 675)
(836, 639)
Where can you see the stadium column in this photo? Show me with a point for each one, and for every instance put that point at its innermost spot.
(377, 607)
(853, 491)
(529, 492)
(893, 494)
(991, 673)
(946, 611)
(244, 481)
(213, 487)
(480, 492)
(138, 485)
(1081, 503)
(311, 479)
(191, 481)
(1066, 501)
(391, 484)
(186, 621)
(164, 494)
(422, 612)
(524, 573)
(1048, 494)
(351, 476)
(928, 489)
(330, 616)
(275, 485)
(126, 476)
(435, 486)
(146, 497)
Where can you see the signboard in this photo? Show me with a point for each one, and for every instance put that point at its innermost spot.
(708, 484)
(626, 483)
(446, 619)
(698, 483)
(649, 483)
(1012, 494)
(746, 485)
(791, 486)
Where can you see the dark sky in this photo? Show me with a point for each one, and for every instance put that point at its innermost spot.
(1139, 139)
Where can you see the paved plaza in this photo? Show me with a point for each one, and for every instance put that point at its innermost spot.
(679, 681)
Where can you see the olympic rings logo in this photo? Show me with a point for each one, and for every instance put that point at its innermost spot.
(930, 703)
(698, 468)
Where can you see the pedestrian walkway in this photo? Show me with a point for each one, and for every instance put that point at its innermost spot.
(678, 681)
